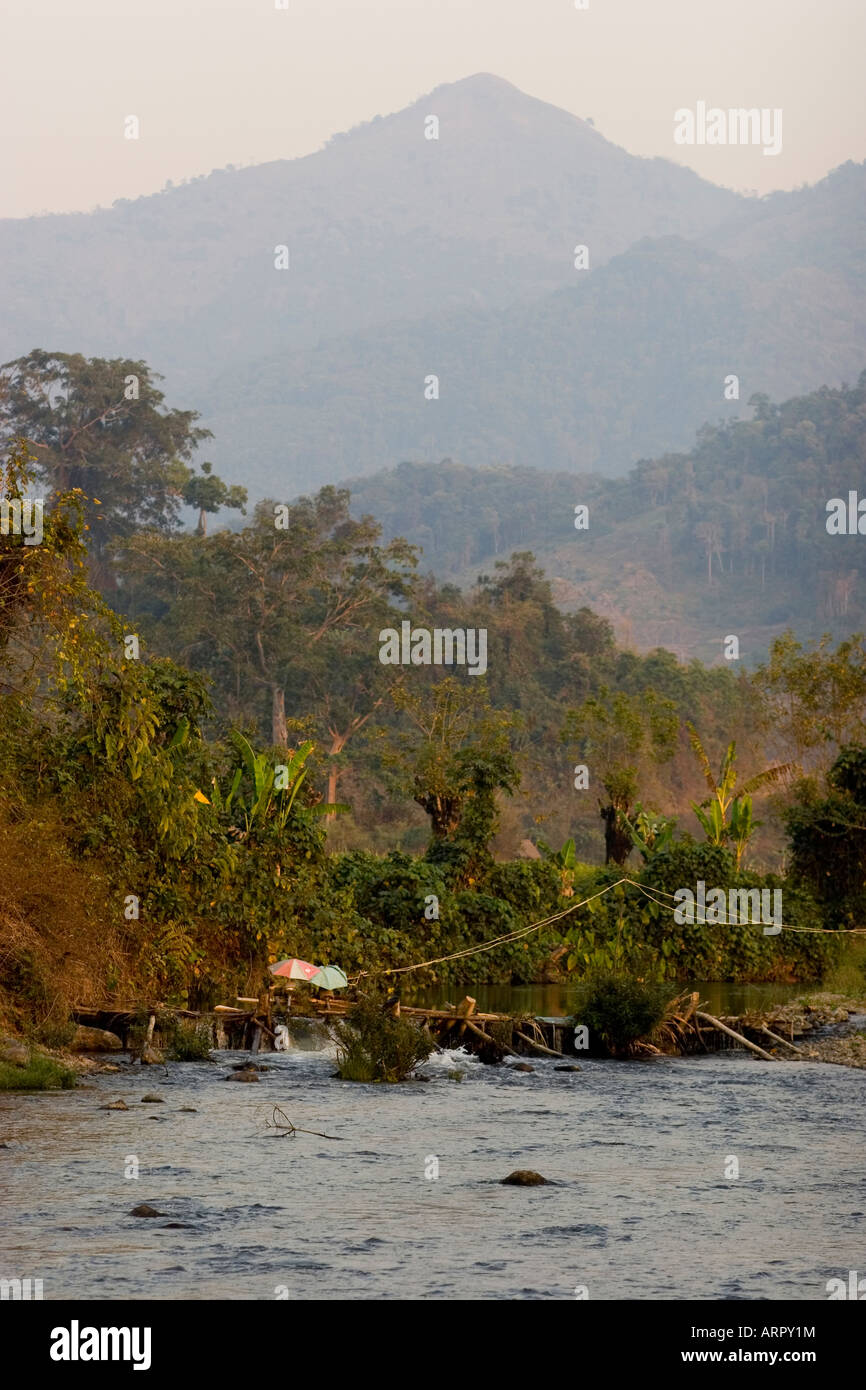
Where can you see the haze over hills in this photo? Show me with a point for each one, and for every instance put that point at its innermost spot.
(454, 257)
(730, 537)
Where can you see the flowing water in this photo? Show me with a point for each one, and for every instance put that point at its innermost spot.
(638, 1206)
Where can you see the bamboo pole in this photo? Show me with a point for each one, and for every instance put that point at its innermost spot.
(464, 1010)
(537, 1046)
(485, 1037)
(723, 1028)
(455, 1018)
(784, 1041)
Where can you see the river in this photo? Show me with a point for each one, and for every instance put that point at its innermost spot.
(638, 1207)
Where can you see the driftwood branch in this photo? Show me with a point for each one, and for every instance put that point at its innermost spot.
(286, 1130)
(485, 1037)
(537, 1046)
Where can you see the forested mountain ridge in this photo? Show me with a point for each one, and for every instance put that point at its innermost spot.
(730, 537)
(630, 361)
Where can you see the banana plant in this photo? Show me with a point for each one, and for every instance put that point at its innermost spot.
(712, 821)
(565, 861)
(726, 814)
(270, 796)
(743, 825)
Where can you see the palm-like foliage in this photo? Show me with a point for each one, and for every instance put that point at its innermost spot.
(726, 814)
(565, 860)
(272, 787)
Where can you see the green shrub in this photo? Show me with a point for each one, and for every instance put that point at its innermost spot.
(40, 1074)
(189, 1042)
(375, 1046)
(619, 1011)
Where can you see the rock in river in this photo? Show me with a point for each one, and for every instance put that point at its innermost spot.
(524, 1177)
(151, 1099)
(145, 1210)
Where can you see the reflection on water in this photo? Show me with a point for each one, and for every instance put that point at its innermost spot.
(559, 1000)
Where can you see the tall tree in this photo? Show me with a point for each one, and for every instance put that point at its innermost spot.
(100, 425)
(290, 606)
(451, 751)
(619, 736)
(814, 698)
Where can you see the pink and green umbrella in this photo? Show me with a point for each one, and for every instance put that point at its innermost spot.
(294, 969)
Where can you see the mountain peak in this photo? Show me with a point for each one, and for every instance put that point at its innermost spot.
(495, 95)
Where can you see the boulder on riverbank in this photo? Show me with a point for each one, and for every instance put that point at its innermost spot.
(13, 1053)
(94, 1040)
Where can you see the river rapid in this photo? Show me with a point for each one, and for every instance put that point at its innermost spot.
(638, 1204)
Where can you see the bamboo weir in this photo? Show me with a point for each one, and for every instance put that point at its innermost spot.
(686, 1029)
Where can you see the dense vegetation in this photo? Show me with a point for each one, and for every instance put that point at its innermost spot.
(204, 765)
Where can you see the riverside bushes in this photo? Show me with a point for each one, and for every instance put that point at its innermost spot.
(375, 1046)
(619, 1011)
(188, 1042)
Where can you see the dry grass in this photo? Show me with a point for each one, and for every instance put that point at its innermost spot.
(62, 938)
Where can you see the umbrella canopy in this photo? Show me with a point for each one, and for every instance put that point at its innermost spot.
(330, 977)
(294, 969)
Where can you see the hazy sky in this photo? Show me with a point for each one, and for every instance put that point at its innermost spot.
(215, 82)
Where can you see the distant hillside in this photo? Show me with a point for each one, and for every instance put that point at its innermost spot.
(626, 363)
(688, 548)
(381, 224)
(455, 257)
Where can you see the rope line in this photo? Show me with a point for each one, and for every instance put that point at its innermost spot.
(647, 891)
